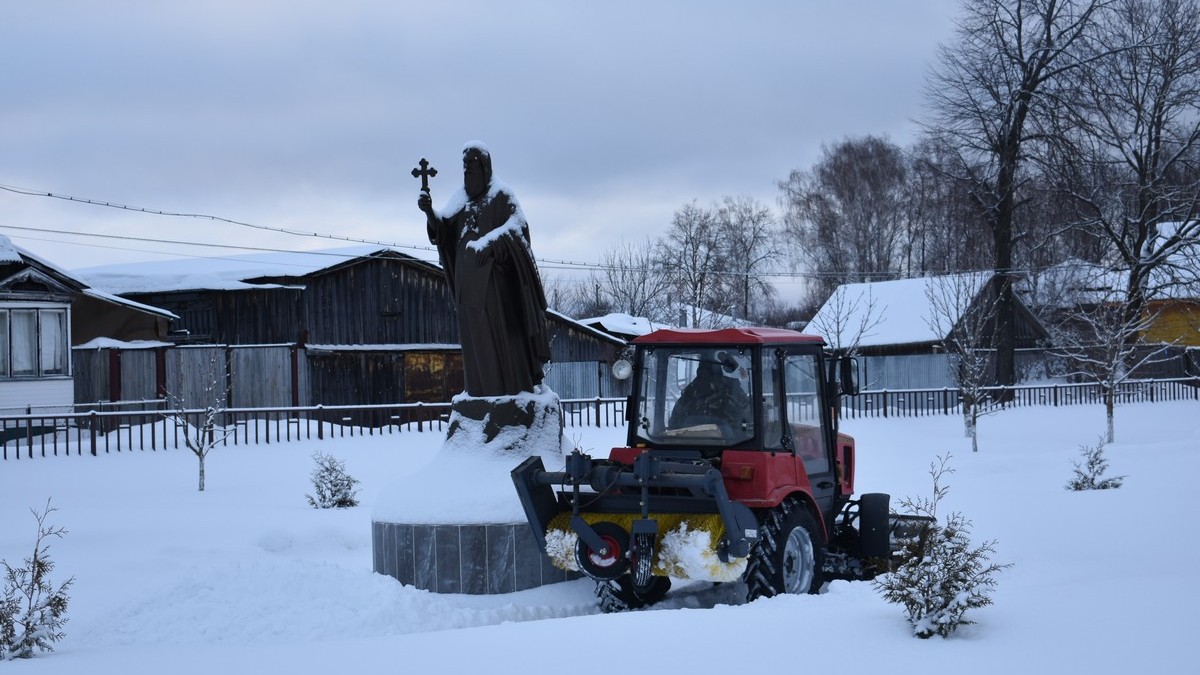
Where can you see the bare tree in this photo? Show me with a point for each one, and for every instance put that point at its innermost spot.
(846, 216)
(634, 283)
(849, 315)
(690, 255)
(963, 308)
(750, 248)
(202, 430)
(1105, 343)
(1132, 144)
(989, 105)
(946, 232)
(579, 298)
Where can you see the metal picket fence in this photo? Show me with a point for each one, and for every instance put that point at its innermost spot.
(150, 426)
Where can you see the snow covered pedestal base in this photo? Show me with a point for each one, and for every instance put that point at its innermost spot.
(456, 525)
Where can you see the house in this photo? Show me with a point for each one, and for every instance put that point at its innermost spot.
(350, 325)
(1068, 292)
(44, 311)
(904, 330)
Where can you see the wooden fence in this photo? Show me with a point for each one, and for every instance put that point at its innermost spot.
(153, 427)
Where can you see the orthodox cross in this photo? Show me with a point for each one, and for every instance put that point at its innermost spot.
(425, 172)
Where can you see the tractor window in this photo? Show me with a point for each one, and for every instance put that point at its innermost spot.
(772, 403)
(804, 411)
(695, 397)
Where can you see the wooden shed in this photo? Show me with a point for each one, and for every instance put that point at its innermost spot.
(373, 325)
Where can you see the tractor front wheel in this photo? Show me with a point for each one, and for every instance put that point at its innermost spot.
(788, 555)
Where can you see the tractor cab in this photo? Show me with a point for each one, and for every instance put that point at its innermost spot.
(745, 389)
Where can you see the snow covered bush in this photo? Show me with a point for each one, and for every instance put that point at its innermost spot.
(334, 487)
(32, 610)
(1089, 471)
(939, 575)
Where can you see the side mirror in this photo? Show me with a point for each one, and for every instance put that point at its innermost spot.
(848, 376)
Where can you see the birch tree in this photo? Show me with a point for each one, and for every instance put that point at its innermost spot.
(963, 309)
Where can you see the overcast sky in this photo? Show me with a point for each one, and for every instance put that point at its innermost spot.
(604, 117)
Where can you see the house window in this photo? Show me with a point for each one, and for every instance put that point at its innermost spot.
(4, 351)
(52, 342)
(33, 342)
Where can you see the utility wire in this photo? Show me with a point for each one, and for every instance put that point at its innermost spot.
(543, 262)
(30, 192)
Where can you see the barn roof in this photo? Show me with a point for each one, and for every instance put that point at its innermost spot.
(228, 273)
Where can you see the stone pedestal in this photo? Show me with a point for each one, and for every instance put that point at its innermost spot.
(473, 559)
(480, 557)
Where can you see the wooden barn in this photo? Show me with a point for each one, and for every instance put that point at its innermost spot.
(374, 325)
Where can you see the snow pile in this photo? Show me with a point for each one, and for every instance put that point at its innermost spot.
(469, 481)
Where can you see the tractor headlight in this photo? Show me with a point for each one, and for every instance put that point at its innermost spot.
(622, 369)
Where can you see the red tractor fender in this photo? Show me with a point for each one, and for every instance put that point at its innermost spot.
(762, 480)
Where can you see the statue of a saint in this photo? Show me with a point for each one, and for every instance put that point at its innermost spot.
(483, 243)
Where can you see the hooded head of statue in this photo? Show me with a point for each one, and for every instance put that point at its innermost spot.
(477, 170)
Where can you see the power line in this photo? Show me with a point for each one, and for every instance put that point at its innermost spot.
(30, 192)
(543, 262)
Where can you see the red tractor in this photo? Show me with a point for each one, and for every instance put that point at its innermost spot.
(733, 470)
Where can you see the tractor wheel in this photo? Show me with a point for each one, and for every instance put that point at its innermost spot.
(641, 560)
(620, 595)
(614, 562)
(788, 555)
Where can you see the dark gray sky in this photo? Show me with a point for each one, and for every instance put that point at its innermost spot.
(604, 117)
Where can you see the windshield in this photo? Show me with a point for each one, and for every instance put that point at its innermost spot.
(696, 397)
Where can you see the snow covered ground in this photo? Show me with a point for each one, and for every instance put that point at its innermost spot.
(245, 577)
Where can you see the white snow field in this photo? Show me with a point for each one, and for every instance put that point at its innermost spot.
(245, 577)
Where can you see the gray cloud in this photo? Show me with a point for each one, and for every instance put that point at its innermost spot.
(604, 117)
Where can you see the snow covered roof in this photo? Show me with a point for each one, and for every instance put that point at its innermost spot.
(897, 312)
(221, 273)
(110, 343)
(623, 325)
(10, 252)
(118, 300)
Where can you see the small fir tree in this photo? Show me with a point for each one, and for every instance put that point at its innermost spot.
(1089, 471)
(32, 610)
(334, 487)
(938, 575)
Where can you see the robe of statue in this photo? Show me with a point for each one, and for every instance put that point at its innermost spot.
(484, 248)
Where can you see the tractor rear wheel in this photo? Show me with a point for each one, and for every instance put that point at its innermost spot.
(788, 555)
(620, 595)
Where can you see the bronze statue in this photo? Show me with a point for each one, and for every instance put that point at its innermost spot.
(483, 243)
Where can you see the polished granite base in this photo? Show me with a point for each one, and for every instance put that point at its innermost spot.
(473, 559)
